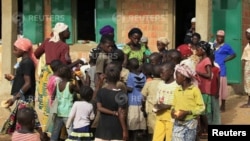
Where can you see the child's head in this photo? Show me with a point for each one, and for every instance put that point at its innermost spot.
(65, 73)
(26, 118)
(184, 74)
(55, 65)
(147, 69)
(118, 56)
(167, 71)
(144, 41)
(174, 55)
(107, 43)
(135, 35)
(112, 72)
(155, 58)
(203, 49)
(86, 93)
(157, 71)
(162, 43)
(133, 64)
(196, 37)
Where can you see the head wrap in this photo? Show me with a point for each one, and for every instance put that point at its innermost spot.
(205, 46)
(220, 33)
(185, 50)
(187, 72)
(106, 30)
(144, 39)
(59, 27)
(25, 44)
(248, 30)
(193, 20)
(164, 40)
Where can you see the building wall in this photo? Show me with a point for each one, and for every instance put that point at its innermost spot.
(245, 20)
(151, 16)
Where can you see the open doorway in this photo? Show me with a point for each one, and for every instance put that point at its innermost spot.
(85, 20)
(20, 17)
(185, 11)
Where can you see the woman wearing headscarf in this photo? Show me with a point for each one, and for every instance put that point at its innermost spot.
(24, 84)
(54, 48)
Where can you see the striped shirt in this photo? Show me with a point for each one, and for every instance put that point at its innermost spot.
(25, 137)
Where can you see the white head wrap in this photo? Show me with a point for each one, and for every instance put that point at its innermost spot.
(59, 27)
(193, 20)
(248, 30)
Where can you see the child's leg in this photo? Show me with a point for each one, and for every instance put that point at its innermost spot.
(168, 130)
(216, 115)
(159, 131)
(56, 128)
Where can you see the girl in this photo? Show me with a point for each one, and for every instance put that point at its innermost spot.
(136, 119)
(81, 117)
(187, 105)
(64, 92)
(112, 123)
(162, 45)
(203, 69)
(24, 84)
(134, 49)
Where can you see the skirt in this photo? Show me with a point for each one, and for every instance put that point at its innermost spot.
(11, 124)
(81, 134)
(247, 77)
(136, 119)
(208, 103)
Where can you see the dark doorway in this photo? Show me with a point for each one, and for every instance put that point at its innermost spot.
(86, 20)
(20, 17)
(185, 11)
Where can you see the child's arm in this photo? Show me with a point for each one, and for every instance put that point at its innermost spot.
(122, 118)
(105, 110)
(208, 73)
(71, 116)
(92, 114)
(218, 87)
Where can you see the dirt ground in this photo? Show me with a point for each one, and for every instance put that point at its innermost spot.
(233, 115)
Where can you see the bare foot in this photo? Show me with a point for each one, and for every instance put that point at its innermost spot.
(245, 105)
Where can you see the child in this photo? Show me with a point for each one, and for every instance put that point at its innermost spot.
(26, 118)
(186, 53)
(174, 56)
(164, 99)
(136, 81)
(149, 93)
(162, 45)
(155, 58)
(187, 105)
(24, 84)
(64, 94)
(81, 117)
(203, 69)
(215, 117)
(147, 71)
(144, 42)
(112, 124)
(53, 79)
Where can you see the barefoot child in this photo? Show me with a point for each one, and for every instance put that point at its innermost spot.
(164, 99)
(26, 118)
(81, 114)
(187, 105)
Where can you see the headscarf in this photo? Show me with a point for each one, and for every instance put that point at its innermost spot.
(144, 39)
(164, 40)
(220, 33)
(193, 20)
(59, 27)
(106, 30)
(26, 45)
(185, 50)
(187, 72)
(248, 30)
(205, 46)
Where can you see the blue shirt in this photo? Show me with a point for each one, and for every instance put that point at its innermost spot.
(136, 82)
(221, 54)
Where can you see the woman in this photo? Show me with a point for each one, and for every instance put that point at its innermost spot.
(54, 48)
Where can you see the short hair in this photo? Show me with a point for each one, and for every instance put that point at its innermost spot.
(168, 65)
(25, 116)
(118, 56)
(133, 64)
(86, 92)
(134, 31)
(106, 38)
(196, 35)
(55, 65)
(112, 72)
(157, 71)
(157, 55)
(175, 54)
(147, 68)
(65, 72)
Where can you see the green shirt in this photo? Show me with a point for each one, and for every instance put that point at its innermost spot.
(138, 54)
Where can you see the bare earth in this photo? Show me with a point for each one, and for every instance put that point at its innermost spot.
(233, 115)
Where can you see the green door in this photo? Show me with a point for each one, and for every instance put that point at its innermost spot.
(105, 15)
(227, 15)
(33, 20)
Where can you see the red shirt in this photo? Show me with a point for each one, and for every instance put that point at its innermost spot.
(205, 83)
(215, 80)
(53, 51)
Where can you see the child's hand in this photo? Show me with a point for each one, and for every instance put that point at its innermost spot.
(9, 77)
(181, 114)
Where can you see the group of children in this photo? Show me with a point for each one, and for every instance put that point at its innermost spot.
(132, 94)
